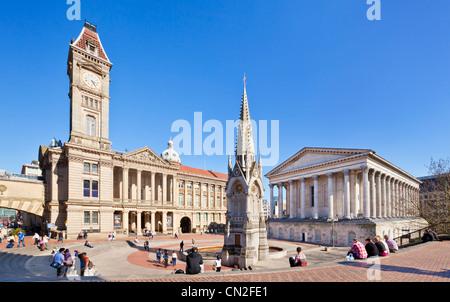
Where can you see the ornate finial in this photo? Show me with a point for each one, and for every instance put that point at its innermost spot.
(244, 80)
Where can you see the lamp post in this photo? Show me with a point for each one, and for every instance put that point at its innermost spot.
(332, 220)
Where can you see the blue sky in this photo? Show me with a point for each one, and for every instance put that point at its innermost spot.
(331, 77)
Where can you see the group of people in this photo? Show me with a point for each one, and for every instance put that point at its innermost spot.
(430, 235)
(66, 265)
(164, 255)
(41, 241)
(373, 248)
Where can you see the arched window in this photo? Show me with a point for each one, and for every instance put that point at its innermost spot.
(90, 125)
(350, 237)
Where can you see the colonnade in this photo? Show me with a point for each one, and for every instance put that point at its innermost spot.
(364, 192)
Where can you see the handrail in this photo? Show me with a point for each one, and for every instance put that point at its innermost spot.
(416, 236)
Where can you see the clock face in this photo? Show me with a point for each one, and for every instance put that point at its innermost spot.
(91, 80)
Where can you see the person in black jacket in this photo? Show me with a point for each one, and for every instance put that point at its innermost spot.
(371, 248)
(193, 262)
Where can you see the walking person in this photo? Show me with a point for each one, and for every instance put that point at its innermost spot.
(174, 258)
(217, 264)
(67, 261)
(36, 239)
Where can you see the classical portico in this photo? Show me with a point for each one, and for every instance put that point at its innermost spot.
(341, 184)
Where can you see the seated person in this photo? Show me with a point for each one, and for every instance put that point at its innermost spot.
(357, 250)
(298, 259)
(193, 262)
(371, 248)
(393, 247)
(88, 244)
(382, 251)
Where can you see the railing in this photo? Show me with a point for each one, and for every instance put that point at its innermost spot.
(411, 238)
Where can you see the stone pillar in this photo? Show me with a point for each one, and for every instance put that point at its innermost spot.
(291, 199)
(152, 222)
(395, 198)
(139, 185)
(153, 188)
(174, 191)
(366, 205)
(373, 196)
(388, 196)
(330, 196)
(302, 197)
(384, 198)
(280, 200)
(316, 197)
(346, 193)
(378, 187)
(354, 201)
(164, 188)
(164, 222)
(125, 185)
(126, 223)
(138, 223)
(272, 208)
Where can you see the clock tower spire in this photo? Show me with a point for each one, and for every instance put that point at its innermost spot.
(88, 68)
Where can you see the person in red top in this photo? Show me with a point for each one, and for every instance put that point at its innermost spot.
(357, 250)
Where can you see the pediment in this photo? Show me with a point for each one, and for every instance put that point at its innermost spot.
(145, 155)
(314, 156)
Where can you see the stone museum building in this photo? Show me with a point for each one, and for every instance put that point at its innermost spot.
(89, 186)
(333, 195)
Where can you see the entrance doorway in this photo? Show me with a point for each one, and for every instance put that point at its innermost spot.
(185, 225)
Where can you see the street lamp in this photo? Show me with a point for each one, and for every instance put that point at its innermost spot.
(332, 220)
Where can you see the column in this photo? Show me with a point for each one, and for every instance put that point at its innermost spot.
(153, 190)
(395, 198)
(373, 195)
(139, 185)
(346, 193)
(164, 187)
(152, 222)
(175, 191)
(138, 223)
(378, 199)
(271, 201)
(164, 222)
(125, 222)
(291, 199)
(388, 197)
(354, 201)
(125, 185)
(330, 196)
(316, 197)
(280, 200)
(302, 197)
(384, 200)
(366, 205)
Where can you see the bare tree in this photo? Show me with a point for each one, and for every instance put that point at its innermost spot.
(434, 202)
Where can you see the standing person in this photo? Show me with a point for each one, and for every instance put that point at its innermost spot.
(21, 238)
(193, 262)
(174, 258)
(146, 246)
(393, 247)
(59, 258)
(45, 241)
(181, 246)
(158, 255)
(67, 261)
(193, 241)
(166, 258)
(357, 250)
(371, 248)
(60, 237)
(85, 234)
(218, 264)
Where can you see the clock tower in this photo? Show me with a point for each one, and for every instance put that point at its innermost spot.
(88, 68)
